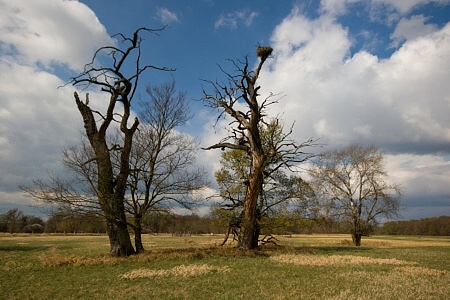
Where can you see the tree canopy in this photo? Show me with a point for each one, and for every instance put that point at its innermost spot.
(353, 186)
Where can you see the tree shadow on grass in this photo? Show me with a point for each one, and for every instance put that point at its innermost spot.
(202, 253)
(22, 248)
(333, 249)
(233, 252)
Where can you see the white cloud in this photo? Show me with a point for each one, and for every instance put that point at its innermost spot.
(424, 179)
(166, 16)
(384, 11)
(333, 96)
(335, 7)
(34, 114)
(37, 117)
(399, 104)
(231, 20)
(405, 6)
(409, 29)
(50, 32)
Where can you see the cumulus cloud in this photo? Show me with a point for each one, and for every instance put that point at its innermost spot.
(50, 32)
(231, 20)
(166, 16)
(422, 176)
(409, 29)
(396, 102)
(336, 7)
(399, 104)
(406, 6)
(424, 180)
(37, 117)
(383, 11)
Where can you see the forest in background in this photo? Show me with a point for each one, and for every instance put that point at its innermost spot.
(14, 221)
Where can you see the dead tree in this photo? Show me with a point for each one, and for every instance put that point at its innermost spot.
(246, 134)
(121, 88)
(243, 87)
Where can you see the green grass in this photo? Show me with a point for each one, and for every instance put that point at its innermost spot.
(302, 267)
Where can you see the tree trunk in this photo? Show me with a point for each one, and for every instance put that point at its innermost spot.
(138, 236)
(255, 238)
(356, 237)
(249, 234)
(110, 189)
(119, 239)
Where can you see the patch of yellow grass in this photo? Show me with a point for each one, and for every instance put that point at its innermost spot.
(322, 260)
(373, 241)
(417, 283)
(59, 260)
(182, 270)
(422, 271)
(53, 258)
(365, 243)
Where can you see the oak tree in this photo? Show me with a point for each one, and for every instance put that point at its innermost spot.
(162, 170)
(118, 77)
(354, 187)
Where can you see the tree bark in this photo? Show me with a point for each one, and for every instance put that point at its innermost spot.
(256, 231)
(357, 231)
(356, 237)
(249, 233)
(119, 239)
(111, 190)
(138, 235)
(247, 128)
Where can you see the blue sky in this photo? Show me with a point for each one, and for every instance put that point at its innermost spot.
(373, 72)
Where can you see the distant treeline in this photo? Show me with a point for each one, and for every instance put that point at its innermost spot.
(428, 226)
(14, 221)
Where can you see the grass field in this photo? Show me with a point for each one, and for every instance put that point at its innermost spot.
(301, 267)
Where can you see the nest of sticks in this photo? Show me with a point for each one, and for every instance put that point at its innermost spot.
(264, 52)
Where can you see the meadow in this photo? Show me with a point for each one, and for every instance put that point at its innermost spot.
(196, 267)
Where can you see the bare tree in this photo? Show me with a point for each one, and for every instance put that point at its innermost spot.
(162, 164)
(111, 186)
(245, 135)
(354, 187)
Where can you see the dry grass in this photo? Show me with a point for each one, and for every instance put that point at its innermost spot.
(419, 271)
(54, 257)
(303, 267)
(321, 240)
(400, 283)
(77, 261)
(333, 260)
(406, 280)
(182, 270)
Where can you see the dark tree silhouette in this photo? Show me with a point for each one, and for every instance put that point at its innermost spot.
(121, 88)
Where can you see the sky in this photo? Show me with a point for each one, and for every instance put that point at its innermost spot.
(374, 72)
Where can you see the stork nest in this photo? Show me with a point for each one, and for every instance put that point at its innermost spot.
(264, 51)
